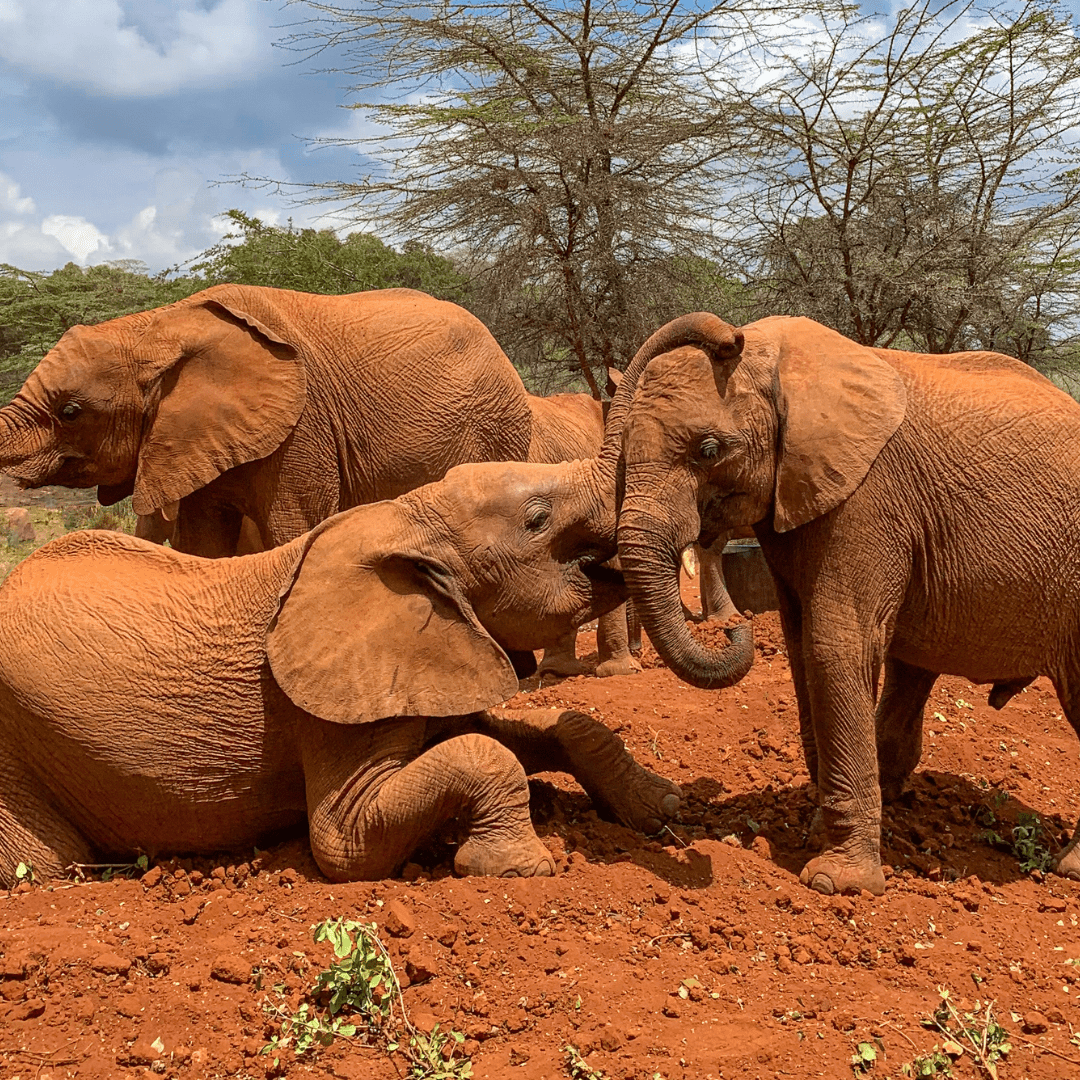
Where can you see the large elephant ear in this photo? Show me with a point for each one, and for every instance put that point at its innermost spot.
(368, 628)
(223, 389)
(838, 404)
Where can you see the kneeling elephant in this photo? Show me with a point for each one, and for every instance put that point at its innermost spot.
(155, 701)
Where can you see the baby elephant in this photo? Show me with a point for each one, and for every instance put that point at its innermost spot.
(158, 702)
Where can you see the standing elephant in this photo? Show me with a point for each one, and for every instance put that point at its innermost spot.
(155, 701)
(243, 416)
(919, 513)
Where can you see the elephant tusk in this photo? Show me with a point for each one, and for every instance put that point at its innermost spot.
(689, 560)
(169, 510)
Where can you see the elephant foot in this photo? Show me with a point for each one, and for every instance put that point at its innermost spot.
(1068, 862)
(482, 857)
(645, 802)
(618, 665)
(837, 872)
(562, 666)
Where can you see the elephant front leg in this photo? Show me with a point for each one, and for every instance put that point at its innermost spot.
(899, 724)
(369, 811)
(716, 604)
(791, 624)
(554, 740)
(613, 645)
(841, 689)
(561, 659)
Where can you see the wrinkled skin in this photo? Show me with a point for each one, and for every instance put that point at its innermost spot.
(242, 416)
(918, 513)
(154, 701)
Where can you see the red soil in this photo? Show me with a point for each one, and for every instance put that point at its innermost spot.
(174, 973)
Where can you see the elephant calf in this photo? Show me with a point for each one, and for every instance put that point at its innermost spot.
(156, 701)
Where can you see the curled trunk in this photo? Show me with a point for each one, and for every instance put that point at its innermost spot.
(650, 564)
(707, 331)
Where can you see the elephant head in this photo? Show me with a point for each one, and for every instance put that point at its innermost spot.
(457, 582)
(773, 436)
(157, 404)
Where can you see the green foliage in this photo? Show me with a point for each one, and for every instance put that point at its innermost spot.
(578, 1068)
(318, 261)
(986, 1038)
(866, 1053)
(361, 981)
(1028, 844)
(120, 517)
(25, 872)
(36, 308)
(935, 1063)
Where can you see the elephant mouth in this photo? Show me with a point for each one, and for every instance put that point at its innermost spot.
(604, 575)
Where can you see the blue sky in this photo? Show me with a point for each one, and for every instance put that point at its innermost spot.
(116, 117)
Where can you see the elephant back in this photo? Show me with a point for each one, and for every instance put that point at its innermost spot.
(407, 387)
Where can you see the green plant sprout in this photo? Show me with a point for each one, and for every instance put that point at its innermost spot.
(360, 981)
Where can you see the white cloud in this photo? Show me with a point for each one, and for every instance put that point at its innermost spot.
(97, 45)
(77, 235)
(12, 201)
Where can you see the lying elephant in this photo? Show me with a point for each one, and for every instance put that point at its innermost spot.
(156, 701)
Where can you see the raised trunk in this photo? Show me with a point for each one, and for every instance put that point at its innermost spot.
(650, 564)
(707, 331)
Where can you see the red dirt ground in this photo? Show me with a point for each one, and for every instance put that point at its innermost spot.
(172, 975)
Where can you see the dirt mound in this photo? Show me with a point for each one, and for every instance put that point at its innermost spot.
(693, 954)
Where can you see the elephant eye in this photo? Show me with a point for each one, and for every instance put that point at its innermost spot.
(537, 518)
(709, 448)
(71, 410)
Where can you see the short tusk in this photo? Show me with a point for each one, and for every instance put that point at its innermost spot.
(169, 511)
(689, 560)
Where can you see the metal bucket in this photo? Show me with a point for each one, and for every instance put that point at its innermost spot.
(748, 579)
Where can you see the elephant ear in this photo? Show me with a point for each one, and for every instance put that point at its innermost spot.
(838, 405)
(223, 389)
(369, 629)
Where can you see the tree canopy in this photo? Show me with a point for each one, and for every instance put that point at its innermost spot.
(573, 154)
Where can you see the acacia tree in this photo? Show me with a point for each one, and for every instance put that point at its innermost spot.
(572, 152)
(921, 187)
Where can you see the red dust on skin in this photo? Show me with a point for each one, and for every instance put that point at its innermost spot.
(692, 955)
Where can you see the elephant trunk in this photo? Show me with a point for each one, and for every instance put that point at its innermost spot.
(650, 563)
(25, 435)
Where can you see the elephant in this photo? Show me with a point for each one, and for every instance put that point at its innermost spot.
(919, 513)
(156, 701)
(242, 416)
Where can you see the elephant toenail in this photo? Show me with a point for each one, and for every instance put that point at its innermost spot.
(822, 883)
(670, 804)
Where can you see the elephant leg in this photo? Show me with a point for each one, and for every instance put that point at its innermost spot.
(791, 624)
(206, 527)
(561, 659)
(715, 602)
(899, 724)
(613, 645)
(842, 685)
(554, 740)
(1001, 693)
(368, 810)
(1068, 692)
(32, 831)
